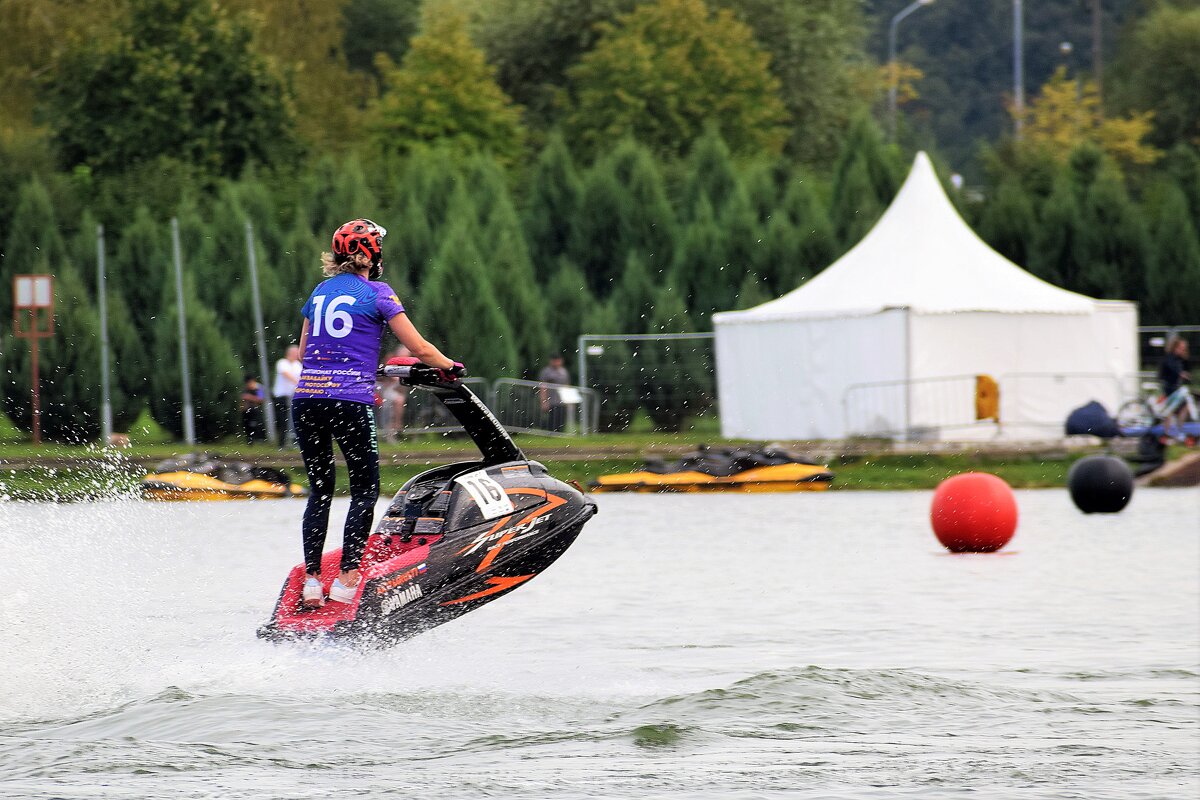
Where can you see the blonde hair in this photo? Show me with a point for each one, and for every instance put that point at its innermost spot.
(331, 267)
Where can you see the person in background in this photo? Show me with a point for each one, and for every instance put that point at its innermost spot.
(287, 377)
(344, 321)
(553, 373)
(252, 410)
(1174, 376)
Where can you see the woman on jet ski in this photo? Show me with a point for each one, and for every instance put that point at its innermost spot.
(344, 321)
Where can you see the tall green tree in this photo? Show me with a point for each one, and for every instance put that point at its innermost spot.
(34, 240)
(568, 303)
(1159, 71)
(534, 42)
(215, 380)
(866, 177)
(702, 277)
(459, 308)
(1173, 276)
(554, 198)
(1008, 223)
(1115, 243)
(710, 175)
(666, 68)
(445, 91)
(817, 53)
(143, 266)
(1054, 256)
(371, 27)
(673, 384)
(182, 80)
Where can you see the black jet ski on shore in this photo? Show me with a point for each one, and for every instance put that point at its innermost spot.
(453, 538)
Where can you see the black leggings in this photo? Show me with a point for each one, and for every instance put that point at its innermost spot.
(318, 424)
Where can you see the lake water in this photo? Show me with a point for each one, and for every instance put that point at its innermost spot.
(690, 646)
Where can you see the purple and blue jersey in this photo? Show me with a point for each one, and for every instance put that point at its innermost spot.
(346, 317)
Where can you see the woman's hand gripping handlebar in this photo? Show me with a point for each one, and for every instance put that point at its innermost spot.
(410, 371)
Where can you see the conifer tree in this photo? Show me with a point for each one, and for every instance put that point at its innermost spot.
(33, 238)
(599, 229)
(409, 247)
(336, 191)
(127, 346)
(710, 175)
(817, 246)
(554, 199)
(866, 178)
(675, 385)
(143, 266)
(1008, 223)
(634, 297)
(743, 240)
(856, 207)
(511, 272)
(568, 302)
(215, 380)
(1115, 246)
(611, 373)
(1173, 276)
(703, 276)
(650, 221)
(753, 292)
(1054, 256)
(459, 309)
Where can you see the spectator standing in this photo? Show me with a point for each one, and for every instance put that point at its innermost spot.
(252, 411)
(1173, 374)
(554, 373)
(287, 377)
(395, 397)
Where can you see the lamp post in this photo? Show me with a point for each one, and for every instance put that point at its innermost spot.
(1018, 68)
(892, 68)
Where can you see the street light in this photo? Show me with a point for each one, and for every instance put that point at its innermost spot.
(892, 62)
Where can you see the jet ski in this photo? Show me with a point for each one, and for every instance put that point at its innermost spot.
(201, 476)
(453, 538)
(723, 469)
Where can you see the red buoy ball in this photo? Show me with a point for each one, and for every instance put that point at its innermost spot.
(973, 513)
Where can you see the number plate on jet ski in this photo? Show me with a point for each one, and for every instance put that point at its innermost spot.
(493, 501)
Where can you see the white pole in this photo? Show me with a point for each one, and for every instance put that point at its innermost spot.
(269, 407)
(106, 423)
(189, 415)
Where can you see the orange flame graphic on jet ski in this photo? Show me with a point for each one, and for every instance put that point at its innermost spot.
(552, 502)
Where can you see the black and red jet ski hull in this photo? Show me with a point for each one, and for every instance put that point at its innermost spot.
(453, 538)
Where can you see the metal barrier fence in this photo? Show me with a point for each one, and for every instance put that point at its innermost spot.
(887, 408)
(419, 412)
(930, 407)
(524, 406)
(544, 408)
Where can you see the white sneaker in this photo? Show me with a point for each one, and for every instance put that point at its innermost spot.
(314, 595)
(341, 593)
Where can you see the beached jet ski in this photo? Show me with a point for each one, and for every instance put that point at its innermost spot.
(453, 538)
(723, 469)
(201, 476)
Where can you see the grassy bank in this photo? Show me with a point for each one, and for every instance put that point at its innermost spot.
(84, 480)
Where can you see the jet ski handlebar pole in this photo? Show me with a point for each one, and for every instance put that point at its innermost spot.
(480, 424)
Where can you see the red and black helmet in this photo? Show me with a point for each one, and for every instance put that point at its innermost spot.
(359, 236)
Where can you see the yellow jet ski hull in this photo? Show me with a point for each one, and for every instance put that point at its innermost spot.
(776, 478)
(194, 486)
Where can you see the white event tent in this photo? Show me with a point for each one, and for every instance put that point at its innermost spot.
(889, 339)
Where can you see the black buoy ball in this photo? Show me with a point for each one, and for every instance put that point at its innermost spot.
(1100, 484)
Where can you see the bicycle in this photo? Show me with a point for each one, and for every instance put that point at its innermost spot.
(1151, 409)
